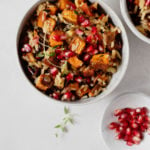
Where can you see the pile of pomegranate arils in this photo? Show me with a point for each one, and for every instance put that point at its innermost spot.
(132, 124)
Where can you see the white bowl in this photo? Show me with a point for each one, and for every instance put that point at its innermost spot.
(117, 77)
(132, 100)
(127, 18)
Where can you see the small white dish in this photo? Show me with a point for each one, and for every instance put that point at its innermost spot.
(132, 100)
(126, 16)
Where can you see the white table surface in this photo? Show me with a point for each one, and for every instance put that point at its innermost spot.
(27, 120)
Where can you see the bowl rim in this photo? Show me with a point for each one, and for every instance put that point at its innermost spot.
(99, 97)
(127, 19)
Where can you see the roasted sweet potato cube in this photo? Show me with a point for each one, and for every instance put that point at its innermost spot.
(30, 58)
(77, 45)
(39, 84)
(52, 9)
(53, 41)
(63, 4)
(41, 18)
(49, 25)
(100, 61)
(86, 9)
(73, 86)
(70, 16)
(95, 91)
(75, 62)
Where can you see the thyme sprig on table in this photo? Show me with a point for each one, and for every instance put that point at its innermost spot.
(68, 118)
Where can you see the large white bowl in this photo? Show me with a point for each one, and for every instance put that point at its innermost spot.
(117, 77)
(127, 18)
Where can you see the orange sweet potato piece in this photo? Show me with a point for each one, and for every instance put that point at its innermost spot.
(41, 18)
(77, 45)
(75, 62)
(53, 41)
(95, 91)
(49, 25)
(70, 16)
(52, 9)
(63, 4)
(100, 61)
(86, 9)
(39, 84)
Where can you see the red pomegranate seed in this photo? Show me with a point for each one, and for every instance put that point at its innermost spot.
(79, 32)
(78, 79)
(101, 48)
(147, 119)
(118, 112)
(55, 95)
(140, 119)
(86, 57)
(128, 131)
(94, 52)
(68, 54)
(72, 6)
(81, 18)
(147, 3)
(136, 140)
(138, 110)
(144, 111)
(119, 136)
(67, 95)
(89, 49)
(58, 51)
(54, 71)
(60, 57)
(85, 23)
(129, 143)
(113, 125)
(69, 77)
(125, 123)
(134, 125)
(89, 38)
(88, 80)
(56, 38)
(26, 48)
(94, 30)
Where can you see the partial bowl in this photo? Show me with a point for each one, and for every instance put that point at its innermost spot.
(127, 19)
(117, 77)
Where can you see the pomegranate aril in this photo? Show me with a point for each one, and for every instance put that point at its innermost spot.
(85, 23)
(119, 136)
(144, 111)
(147, 3)
(138, 110)
(134, 125)
(55, 95)
(113, 125)
(88, 80)
(128, 131)
(78, 79)
(136, 133)
(89, 49)
(67, 95)
(26, 48)
(86, 57)
(79, 32)
(69, 77)
(101, 48)
(139, 119)
(81, 18)
(56, 38)
(54, 71)
(129, 143)
(94, 52)
(68, 54)
(72, 6)
(94, 30)
(136, 140)
(118, 112)
(89, 38)
(58, 51)
(60, 57)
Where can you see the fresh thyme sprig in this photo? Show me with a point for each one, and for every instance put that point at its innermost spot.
(68, 118)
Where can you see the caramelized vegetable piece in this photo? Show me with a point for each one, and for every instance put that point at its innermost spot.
(39, 83)
(70, 16)
(52, 9)
(77, 45)
(30, 58)
(100, 61)
(59, 81)
(63, 4)
(73, 86)
(53, 38)
(78, 2)
(75, 62)
(41, 18)
(95, 91)
(86, 9)
(49, 25)
(84, 89)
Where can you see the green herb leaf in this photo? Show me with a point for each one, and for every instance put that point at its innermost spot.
(52, 54)
(55, 47)
(41, 54)
(75, 12)
(58, 126)
(66, 110)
